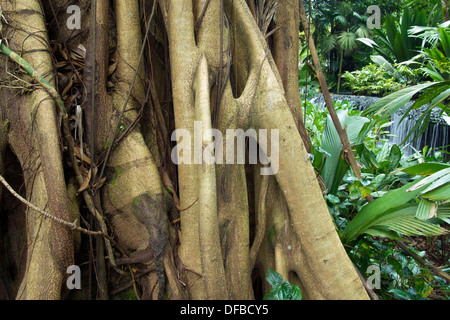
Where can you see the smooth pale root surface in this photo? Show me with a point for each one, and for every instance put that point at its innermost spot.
(325, 263)
(212, 263)
(132, 171)
(184, 57)
(39, 260)
(132, 177)
(53, 246)
(321, 262)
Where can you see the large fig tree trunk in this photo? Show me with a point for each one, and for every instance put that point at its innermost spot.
(138, 79)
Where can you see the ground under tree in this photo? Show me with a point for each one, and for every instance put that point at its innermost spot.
(165, 230)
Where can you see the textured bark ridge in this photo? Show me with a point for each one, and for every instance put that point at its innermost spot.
(152, 213)
(197, 231)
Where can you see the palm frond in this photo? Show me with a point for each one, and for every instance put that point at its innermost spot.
(347, 41)
(329, 43)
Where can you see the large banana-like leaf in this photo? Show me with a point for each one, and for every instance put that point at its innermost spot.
(331, 144)
(426, 209)
(335, 165)
(370, 214)
(393, 212)
(424, 169)
(445, 41)
(412, 226)
(390, 104)
(437, 191)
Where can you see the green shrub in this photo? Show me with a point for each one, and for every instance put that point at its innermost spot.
(372, 80)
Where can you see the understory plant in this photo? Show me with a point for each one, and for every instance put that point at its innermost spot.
(371, 80)
(411, 199)
(281, 289)
(401, 276)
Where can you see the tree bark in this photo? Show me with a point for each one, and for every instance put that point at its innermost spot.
(199, 230)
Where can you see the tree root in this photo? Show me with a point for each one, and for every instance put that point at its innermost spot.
(231, 220)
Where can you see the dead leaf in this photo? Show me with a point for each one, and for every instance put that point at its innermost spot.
(85, 184)
(86, 159)
(102, 181)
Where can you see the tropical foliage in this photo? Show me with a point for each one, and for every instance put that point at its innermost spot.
(408, 59)
(411, 198)
(429, 95)
(371, 81)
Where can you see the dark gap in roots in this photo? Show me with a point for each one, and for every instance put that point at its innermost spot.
(252, 173)
(293, 278)
(236, 86)
(257, 284)
(250, 182)
(13, 239)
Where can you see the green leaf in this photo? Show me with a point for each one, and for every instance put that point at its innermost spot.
(318, 159)
(391, 29)
(354, 126)
(379, 210)
(335, 165)
(394, 157)
(439, 194)
(347, 42)
(436, 76)
(420, 126)
(274, 278)
(411, 226)
(400, 294)
(395, 263)
(369, 159)
(444, 214)
(426, 209)
(296, 293)
(390, 104)
(445, 41)
(429, 179)
(424, 169)
(438, 183)
(381, 232)
(382, 62)
(281, 290)
(331, 143)
(332, 198)
(368, 42)
(426, 97)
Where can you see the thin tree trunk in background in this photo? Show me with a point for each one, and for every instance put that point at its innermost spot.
(445, 6)
(347, 149)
